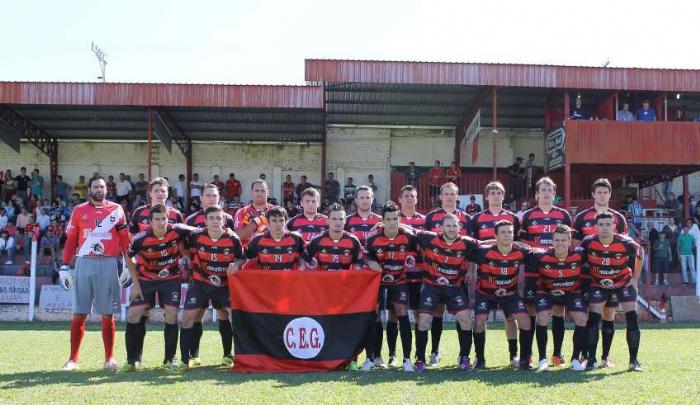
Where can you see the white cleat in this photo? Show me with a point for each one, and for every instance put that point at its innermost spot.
(543, 365)
(70, 366)
(606, 363)
(515, 362)
(577, 366)
(367, 366)
(379, 363)
(434, 360)
(110, 365)
(393, 362)
(408, 366)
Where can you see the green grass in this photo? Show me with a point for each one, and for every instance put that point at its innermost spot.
(32, 353)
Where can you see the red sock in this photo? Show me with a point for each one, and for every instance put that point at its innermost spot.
(108, 331)
(77, 331)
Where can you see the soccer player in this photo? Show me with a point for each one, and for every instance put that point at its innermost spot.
(449, 193)
(309, 223)
(498, 268)
(445, 255)
(557, 271)
(615, 265)
(584, 225)
(250, 220)
(216, 252)
(536, 229)
(157, 252)
(482, 229)
(391, 252)
(363, 220)
(335, 249)
(97, 233)
(278, 248)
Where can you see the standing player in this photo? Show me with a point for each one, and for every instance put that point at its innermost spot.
(335, 249)
(584, 225)
(276, 249)
(391, 252)
(615, 264)
(157, 252)
(95, 236)
(216, 252)
(558, 271)
(483, 228)
(498, 268)
(537, 227)
(449, 193)
(309, 223)
(445, 255)
(250, 220)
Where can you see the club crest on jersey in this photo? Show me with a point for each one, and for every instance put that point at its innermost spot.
(163, 273)
(387, 278)
(606, 282)
(500, 292)
(97, 248)
(216, 280)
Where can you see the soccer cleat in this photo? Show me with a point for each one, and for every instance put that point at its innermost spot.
(515, 362)
(526, 366)
(591, 365)
(195, 362)
(170, 365)
(465, 364)
(542, 365)
(606, 363)
(70, 366)
(182, 368)
(635, 366)
(420, 367)
(227, 361)
(434, 359)
(557, 361)
(353, 366)
(379, 363)
(393, 362)
(367, 366)
(110, 365)
(481, 365)
(130, 368)
(408, 366)
(577, 366)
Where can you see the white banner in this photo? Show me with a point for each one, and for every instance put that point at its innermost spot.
(14, 290)
(473, 129)
(54, 298)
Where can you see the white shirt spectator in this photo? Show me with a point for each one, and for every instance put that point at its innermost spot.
(196, 188)
(180, 189)
(3, 221)
(623, 115)
(22, 221)
(123, 188)
(7, 244)
(43, 221)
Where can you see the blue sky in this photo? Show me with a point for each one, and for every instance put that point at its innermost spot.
(265, 42)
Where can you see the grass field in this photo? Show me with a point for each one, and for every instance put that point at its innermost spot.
(32, 353)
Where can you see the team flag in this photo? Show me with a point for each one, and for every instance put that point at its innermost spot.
(300, 321)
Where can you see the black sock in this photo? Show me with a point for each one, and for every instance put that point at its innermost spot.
(513, 347)
(130, 338)
(197, 331)
(557, 334)
(633, 334)
(170, 337)
(421, 343)
(579, 342)
(465, 341)
(392, 333)
(525, 337)
(141, 337)
(406, 343)
(541, 332)
(533, 323)
(226, 333)
(607, 334)
(435, 334)
(186, 339)
(479, 344)
(593, 325)
(378, 339)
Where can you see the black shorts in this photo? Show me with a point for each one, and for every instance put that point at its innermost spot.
(510, 305)
(199, 294)
(393, 294)
(572, 302)
(623, 294)
(413, 295)
(431, 296)
(168, 293)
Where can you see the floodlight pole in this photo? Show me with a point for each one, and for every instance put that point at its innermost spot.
(102, 59)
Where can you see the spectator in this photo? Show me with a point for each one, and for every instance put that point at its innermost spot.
(672, 232)
(111, 188)
(262, 176)
(523, 207)
(43, 219)
(7, 247)
(332, 191)
(61, 188)
(233, 187)
(303, 185)
(123, 188)
(47, 251)
(472, 208)
(218, 183)
(686, 244)
(9, 186)
(652, 233)
(645, 113)
(288, 190)
(349, 191)
(516, 175)
(180, 189)
(141, 188)
(530, 173)
(453, 173)
(22, 183)
(635, 210)
(660, 258)
(3, 218)
(36, 184)
(29, 230)
(196, 187)
(22, 218)
(412, 174)
(625, 114)
(435, 178)
(693, 206)
(81, 187)
(578, 112)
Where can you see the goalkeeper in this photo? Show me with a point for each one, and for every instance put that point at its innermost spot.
(250, 220)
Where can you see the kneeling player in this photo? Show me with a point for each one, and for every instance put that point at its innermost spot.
(497, 286)
(216, 251)
(557, 273)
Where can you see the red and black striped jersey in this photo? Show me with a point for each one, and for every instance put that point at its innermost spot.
(308, 228)
(445, 263)
(554, 275)
(497, 273)
(361, 227)
(157, 258)
(140, 222)
(331, 255)
(199, 220)
(537, 226)
(584, 223)
(416, 221)
(483, 223)
(433, 221)
(212, 257)
(393, 254)
(266, 253)
(611, 266)
(414, 274)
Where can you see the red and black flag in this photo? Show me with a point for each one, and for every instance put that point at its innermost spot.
(297, 321)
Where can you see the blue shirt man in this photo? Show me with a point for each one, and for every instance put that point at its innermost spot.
(645, 113)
